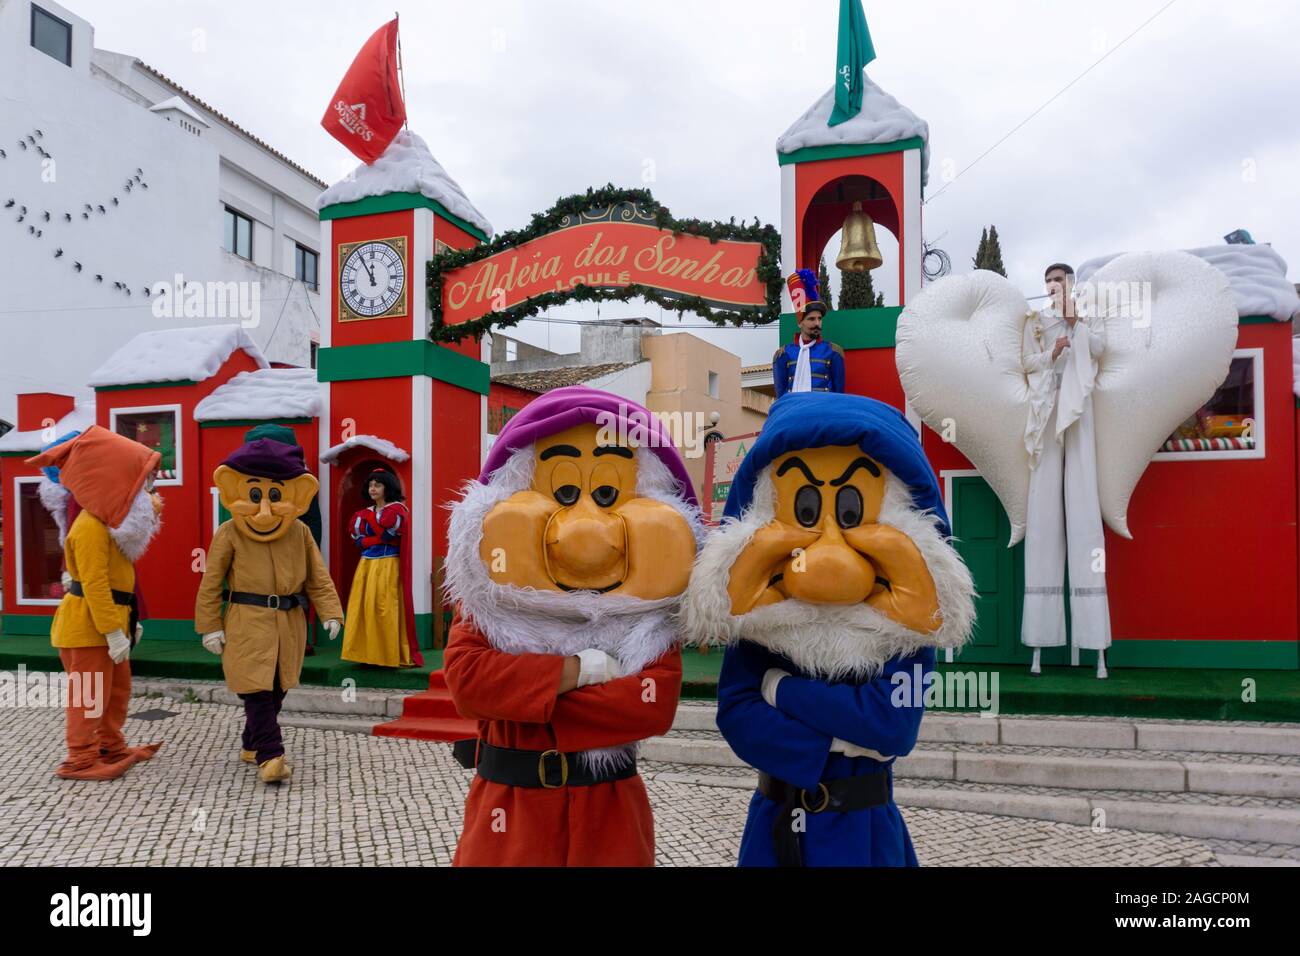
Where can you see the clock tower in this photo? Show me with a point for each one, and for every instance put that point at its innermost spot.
(392, 398)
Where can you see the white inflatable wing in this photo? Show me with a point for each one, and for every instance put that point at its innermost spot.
(958, 356)
(1171, 327)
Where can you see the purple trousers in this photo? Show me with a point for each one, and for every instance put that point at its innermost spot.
(262, 722)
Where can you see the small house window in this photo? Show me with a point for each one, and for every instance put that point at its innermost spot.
(305, 266)
(51, 35)
(158, 429)
(40, 557)
(1231, 423)
(512, 350)
(713, 385)
(238, 234)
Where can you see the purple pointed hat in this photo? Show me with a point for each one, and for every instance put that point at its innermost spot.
(564, 408)
(267, 458)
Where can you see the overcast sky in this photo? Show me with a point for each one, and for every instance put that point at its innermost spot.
(1185, 132)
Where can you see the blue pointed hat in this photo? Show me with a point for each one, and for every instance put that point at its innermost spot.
(817, 419)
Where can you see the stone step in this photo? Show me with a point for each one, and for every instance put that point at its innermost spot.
(1276, 825)
(1105, 733)
(1016, 769)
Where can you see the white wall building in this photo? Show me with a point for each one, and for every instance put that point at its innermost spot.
(113, 180)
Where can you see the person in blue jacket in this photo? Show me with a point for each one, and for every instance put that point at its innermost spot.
(832, 581)
(809, 363)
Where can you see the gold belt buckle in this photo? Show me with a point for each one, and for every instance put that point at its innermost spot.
(826, 799)
(564, 769)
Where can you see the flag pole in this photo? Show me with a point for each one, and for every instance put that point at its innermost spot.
(401, 73)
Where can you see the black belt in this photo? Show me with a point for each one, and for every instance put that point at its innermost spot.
(838, 796)
(124, 598)
(120, 598)
(274, 602)
(533, 768)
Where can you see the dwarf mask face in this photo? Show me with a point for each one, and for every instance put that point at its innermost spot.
(824, 545)
(263, 508)
(581, 526)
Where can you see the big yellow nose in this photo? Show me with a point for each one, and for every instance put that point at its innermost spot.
(585, 547)
(830, 571)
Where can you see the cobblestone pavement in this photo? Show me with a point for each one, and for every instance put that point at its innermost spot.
(359, 800)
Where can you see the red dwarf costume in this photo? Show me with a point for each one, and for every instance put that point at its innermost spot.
(567, 559)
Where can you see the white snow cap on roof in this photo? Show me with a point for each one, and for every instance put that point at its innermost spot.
(882, 119)
(79, 419)
(376, 444)
(406, 166)
(264, 394)
(175, 355)
(1256, 274)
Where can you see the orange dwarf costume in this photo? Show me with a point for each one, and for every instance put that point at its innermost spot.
(107, 474)
(567, 559)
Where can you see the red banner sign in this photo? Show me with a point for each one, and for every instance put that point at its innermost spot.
(606, 255)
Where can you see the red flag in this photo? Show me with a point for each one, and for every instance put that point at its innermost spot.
(366, 110)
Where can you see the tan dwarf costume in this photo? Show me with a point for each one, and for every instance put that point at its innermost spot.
(264, 566)
(106, 474)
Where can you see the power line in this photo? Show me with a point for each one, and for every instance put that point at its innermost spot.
(1055, 96)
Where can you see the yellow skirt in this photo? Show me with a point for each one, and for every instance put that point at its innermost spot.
(375, 629)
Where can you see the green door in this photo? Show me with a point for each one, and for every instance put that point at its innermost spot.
(982, 530)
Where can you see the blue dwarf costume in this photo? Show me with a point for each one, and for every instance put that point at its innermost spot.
(832, 582)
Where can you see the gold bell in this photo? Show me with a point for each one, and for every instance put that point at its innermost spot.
(858, 249)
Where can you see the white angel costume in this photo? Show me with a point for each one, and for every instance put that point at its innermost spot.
(1063, 444)
(1064, 517)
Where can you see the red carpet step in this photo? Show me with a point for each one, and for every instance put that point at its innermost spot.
(431, 715)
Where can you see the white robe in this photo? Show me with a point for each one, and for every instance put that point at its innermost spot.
(1064, 511)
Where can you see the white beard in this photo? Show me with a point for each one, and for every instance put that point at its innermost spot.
(137, 529)
(531, 621)
(831, 642)
(55, 499)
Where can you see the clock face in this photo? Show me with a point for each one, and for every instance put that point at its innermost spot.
(372, 278)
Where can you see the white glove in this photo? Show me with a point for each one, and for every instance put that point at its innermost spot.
(66, 578)
(332, 627)
(139, 633)
(770, 680)
(215, 642)
(119, 646)
(853, 750)
(596, 667)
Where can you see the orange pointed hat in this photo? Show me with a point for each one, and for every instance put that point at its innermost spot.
(103, 470)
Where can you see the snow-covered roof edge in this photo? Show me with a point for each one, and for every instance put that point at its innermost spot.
(376, 444)
(1256, 274)
(80, 418)
(175, 355)
(406, 166)
(263, 394)
(882, 119)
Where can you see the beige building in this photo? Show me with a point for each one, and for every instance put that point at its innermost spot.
(693, 386)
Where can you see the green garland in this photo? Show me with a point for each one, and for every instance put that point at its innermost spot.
(768, 269)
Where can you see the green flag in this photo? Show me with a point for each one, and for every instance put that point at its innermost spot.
(853, 54)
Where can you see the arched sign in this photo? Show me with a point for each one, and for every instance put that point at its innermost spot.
(608, 244)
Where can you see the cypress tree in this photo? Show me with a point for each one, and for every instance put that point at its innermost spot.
(989, 254)
(857, 291)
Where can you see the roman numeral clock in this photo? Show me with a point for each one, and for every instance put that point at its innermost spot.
(372, 279)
